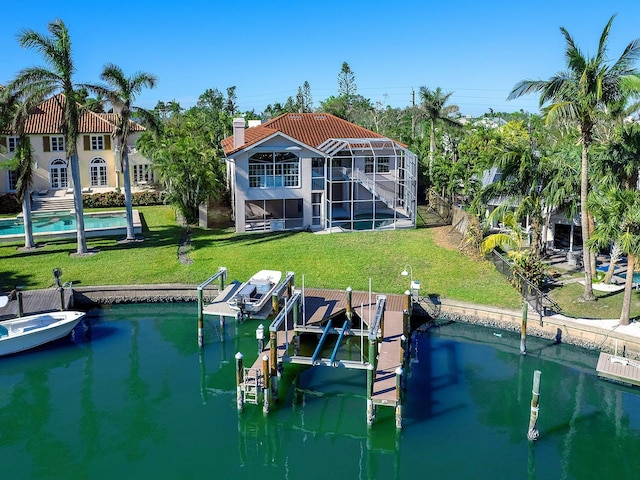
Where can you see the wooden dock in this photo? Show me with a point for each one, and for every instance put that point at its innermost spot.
(319, 305)
(36, 301)
(619, 369)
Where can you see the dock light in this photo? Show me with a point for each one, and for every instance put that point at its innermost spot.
(415, 284)
(260, 338)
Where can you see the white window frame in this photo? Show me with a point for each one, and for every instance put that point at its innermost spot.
(56, 143)
(12, 180)
(58, 174)
(98, 172)
(274, 170)
(12, 144)
(97, 142)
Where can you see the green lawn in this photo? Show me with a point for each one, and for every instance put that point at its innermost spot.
(329, 261)
(607, 305)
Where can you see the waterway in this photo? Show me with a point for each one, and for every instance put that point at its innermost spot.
(130, 395)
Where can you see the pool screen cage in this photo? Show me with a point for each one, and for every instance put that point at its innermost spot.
(371, 184)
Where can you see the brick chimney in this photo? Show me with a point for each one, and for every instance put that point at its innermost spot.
(238, 132)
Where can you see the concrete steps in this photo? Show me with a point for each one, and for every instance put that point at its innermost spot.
(52, 204)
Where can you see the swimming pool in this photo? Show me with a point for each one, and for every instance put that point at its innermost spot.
(63, 224)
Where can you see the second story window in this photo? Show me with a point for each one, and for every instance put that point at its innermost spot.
(12, 144)
(274, 169)
(97, 142)
(57, 144)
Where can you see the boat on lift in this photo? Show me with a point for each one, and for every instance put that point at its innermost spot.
(256, 292)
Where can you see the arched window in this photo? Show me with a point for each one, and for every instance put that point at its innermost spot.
(58, 176)
(98, 172)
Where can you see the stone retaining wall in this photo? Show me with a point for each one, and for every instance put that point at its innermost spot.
(556, 328)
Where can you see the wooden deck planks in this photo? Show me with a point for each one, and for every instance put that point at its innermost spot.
(384, 387)
(623, 370)
(37, 301)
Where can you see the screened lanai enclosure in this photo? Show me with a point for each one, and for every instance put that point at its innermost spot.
(359, 184)
(370, 184)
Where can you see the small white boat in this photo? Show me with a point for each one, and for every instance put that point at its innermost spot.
(254, 294)
(23, 333)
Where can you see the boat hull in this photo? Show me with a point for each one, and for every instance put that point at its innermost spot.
(25, 333)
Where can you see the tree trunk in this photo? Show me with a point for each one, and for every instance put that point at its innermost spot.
(432, 146)
(127, 191)
(593, 256)
(77, 203)
(615, 256)
(26, 216)
(628, 287)
(584, 220)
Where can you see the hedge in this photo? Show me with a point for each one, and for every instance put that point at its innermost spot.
(9, 203)
(115, 199)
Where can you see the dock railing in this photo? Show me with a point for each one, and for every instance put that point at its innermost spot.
(221, 276)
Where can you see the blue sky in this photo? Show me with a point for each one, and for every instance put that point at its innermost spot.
(477, 50)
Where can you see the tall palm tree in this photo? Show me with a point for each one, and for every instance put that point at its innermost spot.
(120, 91)
(41, 82)
(14, 115)
(580, 94)
(433, 103)
(618, 216)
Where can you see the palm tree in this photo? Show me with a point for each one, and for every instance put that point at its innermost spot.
(581, 94)
(618, 216)
(120, 91)
(433, 103)
(15, 114)
(38, 83)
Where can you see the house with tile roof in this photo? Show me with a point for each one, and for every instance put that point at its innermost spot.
(99, 170)
(316, 171)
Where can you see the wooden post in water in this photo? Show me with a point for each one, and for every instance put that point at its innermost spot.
(273, 362)
(399, 398)
(266, 388)
(371, 409)
(20, 305)
(200, 318)
(408, 302)
(275, 304)
(61, 289)
(533, 433)
(239, 381)
(349, 311)
(523, 331)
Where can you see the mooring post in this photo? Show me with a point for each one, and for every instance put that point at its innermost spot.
(200, 319)
(260, 338)
(266, 388)
(61, 289)
(371, 411)
(523, 331)
(275, 303)
(406, 323)
(408, 302)
(273, 363)
(533, 433)
(349, 310)
(399, 397)
(239, 381)
(20, 305)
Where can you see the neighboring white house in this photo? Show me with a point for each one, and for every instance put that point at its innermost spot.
(99, 169)
(316, 171)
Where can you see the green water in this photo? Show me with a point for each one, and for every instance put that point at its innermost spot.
(130, 395)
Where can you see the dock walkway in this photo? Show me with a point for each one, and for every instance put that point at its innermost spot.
(620, 369)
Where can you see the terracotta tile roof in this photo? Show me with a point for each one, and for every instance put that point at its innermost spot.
(309, 128)
(111, 117)
(47, 119)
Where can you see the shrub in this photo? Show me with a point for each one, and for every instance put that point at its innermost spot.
(9, 203)
(116, 200)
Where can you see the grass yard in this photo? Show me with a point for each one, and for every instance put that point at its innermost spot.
(326, 261)
(607, 305)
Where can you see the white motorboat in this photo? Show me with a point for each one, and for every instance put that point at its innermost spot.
(23, 333)
(255, 293)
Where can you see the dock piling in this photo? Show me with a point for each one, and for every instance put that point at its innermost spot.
(20, 304)
(533, 433)
(260, 338)
(239, 381)
(266, 387)
(523, 331)
(371, 409)
(399, 398)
